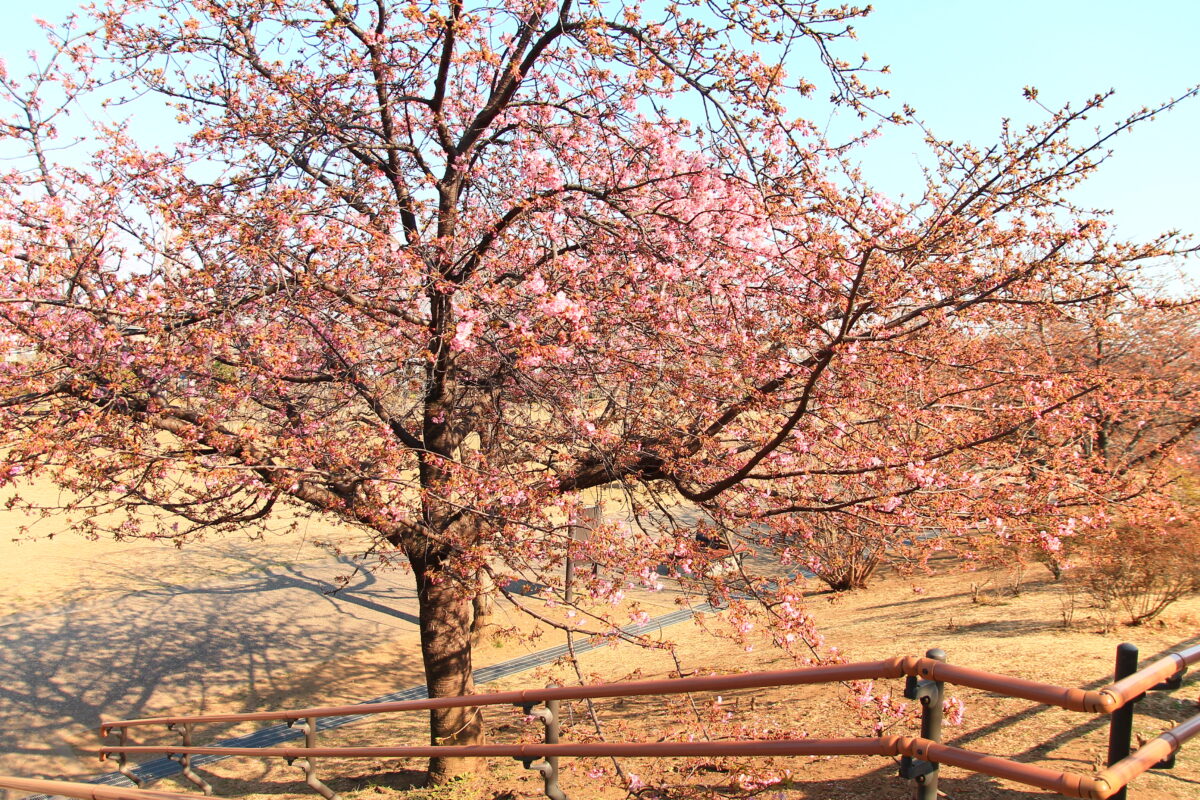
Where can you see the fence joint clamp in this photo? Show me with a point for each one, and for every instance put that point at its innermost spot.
(1166, 763)
(911, 768)
(1171, 683)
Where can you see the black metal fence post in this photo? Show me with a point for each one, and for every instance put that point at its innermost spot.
(930, 695)
(1120, 726)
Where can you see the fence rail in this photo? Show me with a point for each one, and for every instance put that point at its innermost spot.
(920, 755)
(1103, 700)
(87, 791)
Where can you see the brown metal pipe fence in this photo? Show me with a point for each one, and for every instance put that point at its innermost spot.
(927, 752)
(779, 747)
(1102, 700)
(868, 670)
(1098, 787)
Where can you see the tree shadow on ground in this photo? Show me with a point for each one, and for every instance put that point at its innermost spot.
(249, 643)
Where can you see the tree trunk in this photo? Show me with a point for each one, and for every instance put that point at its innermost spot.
(445, 618)
(482, 609)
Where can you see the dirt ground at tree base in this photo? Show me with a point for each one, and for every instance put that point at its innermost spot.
(989, 620)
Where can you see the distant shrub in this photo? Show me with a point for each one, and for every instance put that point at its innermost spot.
(1142, 570)
(842, 556)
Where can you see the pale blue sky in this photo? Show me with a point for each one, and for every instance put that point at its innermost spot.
(963, 65)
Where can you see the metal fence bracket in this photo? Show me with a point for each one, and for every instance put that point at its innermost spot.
(308, 763)
(548, 766)
(930, 694)
(185, 759)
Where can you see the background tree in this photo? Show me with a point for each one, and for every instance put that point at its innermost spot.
(1141, 431)
(437, 270)
(841, 552)
(1142, 559)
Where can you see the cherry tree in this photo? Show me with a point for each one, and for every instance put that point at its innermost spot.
(1140, 432)
(438, 270)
